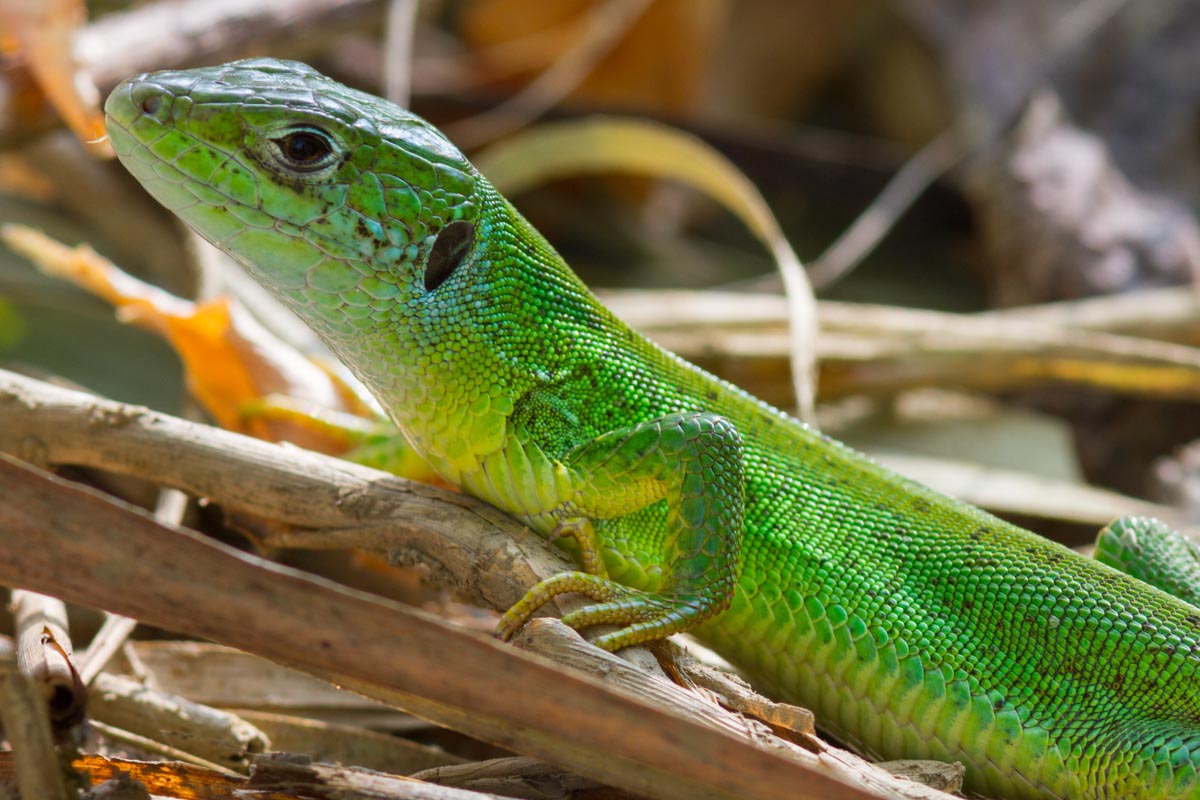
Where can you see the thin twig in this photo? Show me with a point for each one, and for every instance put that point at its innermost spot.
(113, 633)
(902, 190)
(116, 630)
(152, 745)
(209, 734)
(605, 26)
(398, 36)
(961, 139)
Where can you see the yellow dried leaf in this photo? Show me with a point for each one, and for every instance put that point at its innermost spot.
(230, 360)
(19, 177)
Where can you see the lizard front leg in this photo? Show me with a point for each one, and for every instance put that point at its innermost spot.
(693, 462)
(1153, 552)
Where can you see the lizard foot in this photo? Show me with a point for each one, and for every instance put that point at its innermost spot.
(645, 616)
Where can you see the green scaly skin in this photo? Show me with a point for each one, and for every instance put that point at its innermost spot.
(912, 624)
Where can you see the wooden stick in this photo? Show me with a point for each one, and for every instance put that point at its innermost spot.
(45, 656)
(883, 350)
(300, 774)
(27, 726)
(57, 539)
(209, 733)
(490, 559)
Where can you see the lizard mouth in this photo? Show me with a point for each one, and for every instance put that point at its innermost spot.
(167, 137)
(140, 117)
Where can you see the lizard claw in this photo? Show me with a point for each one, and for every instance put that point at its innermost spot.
(581, 531)
(597, 588)
(644, 616)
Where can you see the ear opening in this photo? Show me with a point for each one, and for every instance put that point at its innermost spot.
(449, 249)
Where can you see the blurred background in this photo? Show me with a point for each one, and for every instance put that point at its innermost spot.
(1028, 169)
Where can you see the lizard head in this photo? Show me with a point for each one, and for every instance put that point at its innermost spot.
(356, 213)
(331, 197)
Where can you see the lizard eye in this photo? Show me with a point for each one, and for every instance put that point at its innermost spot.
(449, 249)
(305, 150)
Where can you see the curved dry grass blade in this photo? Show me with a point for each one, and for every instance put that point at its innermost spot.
(864, 234)
(945, 150)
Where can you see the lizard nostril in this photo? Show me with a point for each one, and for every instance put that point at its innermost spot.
(151, 104)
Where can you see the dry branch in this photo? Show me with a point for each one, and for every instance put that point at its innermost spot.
(880, 350)
(329, 781)
(321, 502)
(58, 539)
(346, 744)
(209, 733)
(111, 637)
(27, 725)
(553, 639)
(492, 692)
(328, 503)
(165, 752)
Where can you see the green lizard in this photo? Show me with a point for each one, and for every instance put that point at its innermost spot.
(914, 625)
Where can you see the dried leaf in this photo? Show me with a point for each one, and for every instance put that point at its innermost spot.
(18, 176)
(231, 360)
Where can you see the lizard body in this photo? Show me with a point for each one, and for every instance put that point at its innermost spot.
(914, 625)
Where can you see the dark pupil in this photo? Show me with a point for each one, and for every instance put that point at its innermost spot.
(305, 148)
